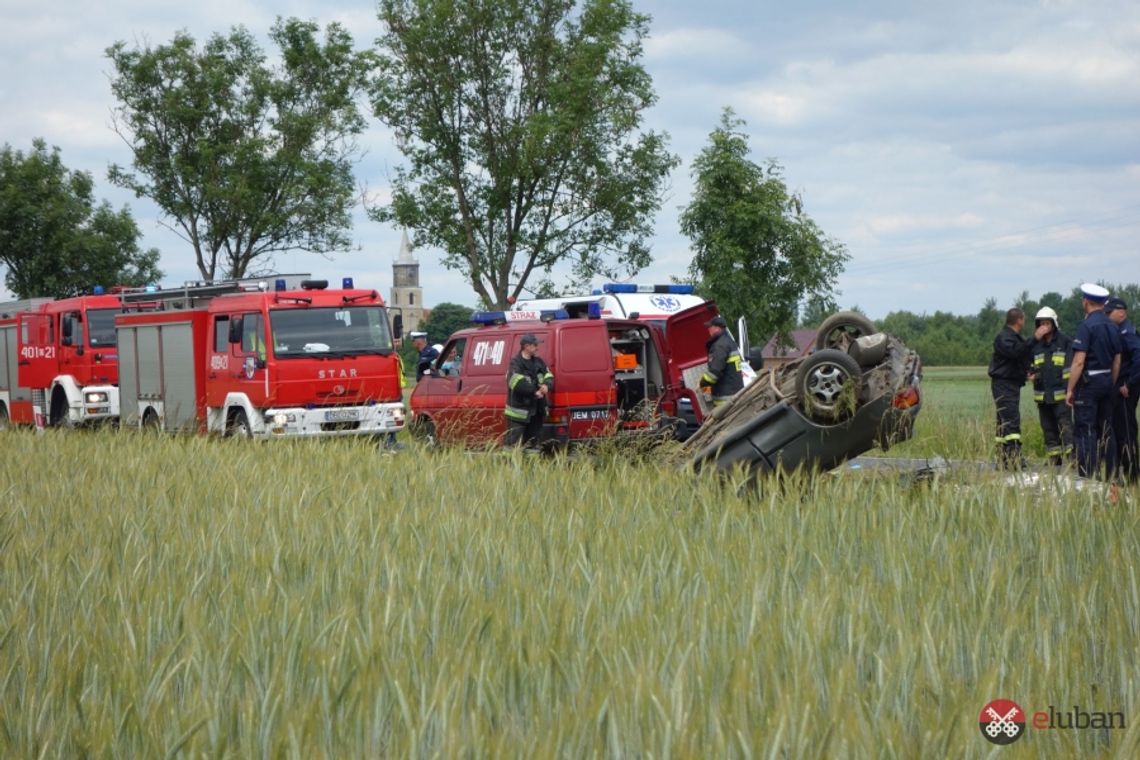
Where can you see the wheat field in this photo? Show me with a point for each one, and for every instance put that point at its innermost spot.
(192, 597)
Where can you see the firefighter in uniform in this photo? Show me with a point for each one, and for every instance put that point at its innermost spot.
(529, 384)
(1009, 367)
(1127, 391)
(1051, 359)
(1096, 366)
(722, 377)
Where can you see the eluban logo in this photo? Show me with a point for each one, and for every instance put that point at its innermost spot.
(1002, 721)
(1077, 718)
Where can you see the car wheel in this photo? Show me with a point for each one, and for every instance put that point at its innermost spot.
(423, 430)
(239, 426)
(828, 385)
(841, 329)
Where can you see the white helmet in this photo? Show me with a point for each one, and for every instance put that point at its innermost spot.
(438, 348)
(1046, 313)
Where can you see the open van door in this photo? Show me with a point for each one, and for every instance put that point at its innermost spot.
(686, 336)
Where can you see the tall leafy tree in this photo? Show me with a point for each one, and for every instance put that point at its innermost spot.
(55, 240)
(521, 123)
(445, 319)
(757, 253)
(244, 158)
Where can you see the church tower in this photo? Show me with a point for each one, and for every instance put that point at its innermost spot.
(407, 294)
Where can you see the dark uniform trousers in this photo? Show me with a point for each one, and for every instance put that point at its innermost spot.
(528, 433)
(1007, 399)
(1092, 419)
(1124, 430)
(1057, 425)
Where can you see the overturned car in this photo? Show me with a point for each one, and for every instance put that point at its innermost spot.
(858, 389)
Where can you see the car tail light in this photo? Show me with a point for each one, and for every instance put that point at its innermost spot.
(557, 417)
(906, 399)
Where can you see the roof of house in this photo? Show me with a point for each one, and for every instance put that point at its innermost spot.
(804, 340)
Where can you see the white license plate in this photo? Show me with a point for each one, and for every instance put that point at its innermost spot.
(342, 415)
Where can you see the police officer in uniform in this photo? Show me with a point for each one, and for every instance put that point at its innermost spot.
(1127, 391)
(723, 375)
(428, 354)
(1009, 366)
(1096, 367)
(529, 384)
(1051, 359)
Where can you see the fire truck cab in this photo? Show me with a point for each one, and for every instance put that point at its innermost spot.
(59, 361)
(261, 363)
(611, 376)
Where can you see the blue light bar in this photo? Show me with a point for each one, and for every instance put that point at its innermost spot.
(594, 310)
(346, 283)
(97, 290)
(629, 287)
(150, 289)
(279, 284)
(502, 317)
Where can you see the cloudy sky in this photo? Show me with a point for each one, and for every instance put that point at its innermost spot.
(960, 151)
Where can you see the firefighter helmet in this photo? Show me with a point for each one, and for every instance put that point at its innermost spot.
(1046, 313)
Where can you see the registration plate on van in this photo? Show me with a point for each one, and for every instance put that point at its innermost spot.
(342, 415)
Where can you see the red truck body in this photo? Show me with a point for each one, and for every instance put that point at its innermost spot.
(58, 359)
(268, 364)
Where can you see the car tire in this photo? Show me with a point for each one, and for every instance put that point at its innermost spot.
(423, 430)
(150, 422)
(841, 329)
(869, 350)
(828, 383)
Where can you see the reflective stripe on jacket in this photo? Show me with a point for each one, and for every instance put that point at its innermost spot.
(1050, 364)
(523, 378)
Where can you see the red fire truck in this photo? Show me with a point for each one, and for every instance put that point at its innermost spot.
(58, 361)
(239, 358)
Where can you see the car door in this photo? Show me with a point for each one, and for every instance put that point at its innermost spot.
(686, 336)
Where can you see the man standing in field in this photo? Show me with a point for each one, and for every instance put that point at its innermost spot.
(1052, 357)
(1009, 367)
(1096, 367)
(1127, 391)
(529, 383)
(723, 376)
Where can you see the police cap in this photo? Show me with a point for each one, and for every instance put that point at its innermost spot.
(1114, 303)
(716, 322)
(1094, 293)
(417, 335)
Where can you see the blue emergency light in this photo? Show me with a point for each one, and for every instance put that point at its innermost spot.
(346, 283)
(629, 287)
(594, 310)
(502, 317)
(97, 290)
(279, 284)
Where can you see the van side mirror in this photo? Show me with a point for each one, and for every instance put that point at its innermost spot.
(67, 331)
(756, 358)
(235, 329)
(398, 326)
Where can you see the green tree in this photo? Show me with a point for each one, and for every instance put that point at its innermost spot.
(244, 159)
(54, 240)
(757, 253)
(521, 125)
(445, 319)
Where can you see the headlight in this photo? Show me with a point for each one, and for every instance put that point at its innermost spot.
(96, 397)
(281, 418)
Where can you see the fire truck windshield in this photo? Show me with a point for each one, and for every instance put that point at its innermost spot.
(336, 331)
(101, 328)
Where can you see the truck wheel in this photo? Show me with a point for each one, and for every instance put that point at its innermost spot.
(841, 329)
(150, 422)
(59, 416)
(828, 385)
(4, 424)
(239, 426)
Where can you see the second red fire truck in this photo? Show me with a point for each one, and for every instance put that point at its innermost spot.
(241, 359)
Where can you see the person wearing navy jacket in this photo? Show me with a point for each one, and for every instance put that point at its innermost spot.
(1127, 392)
(1009, 368)
(1092, 383)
